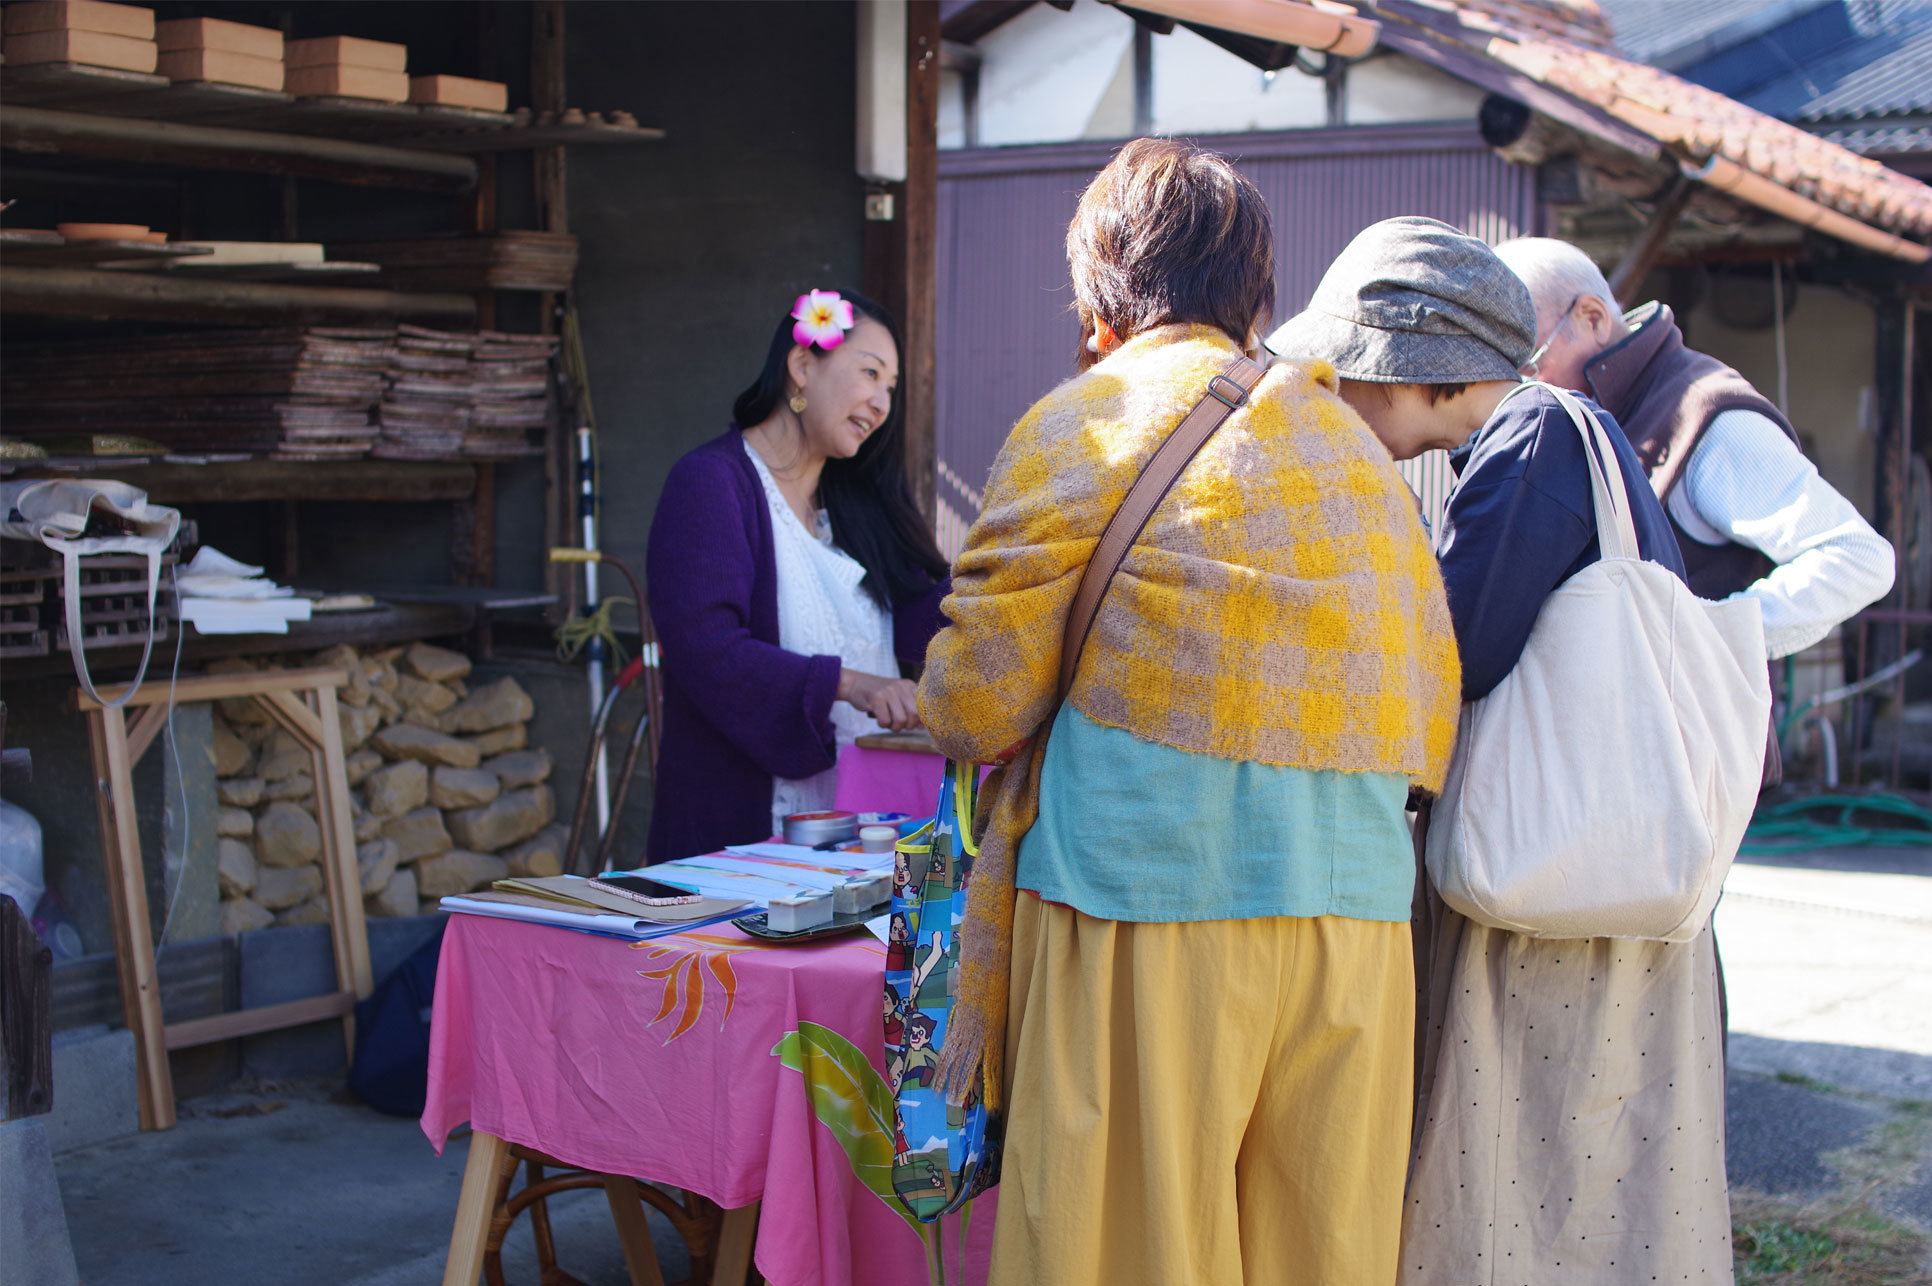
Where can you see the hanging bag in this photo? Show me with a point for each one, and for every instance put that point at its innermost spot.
(55, 512)
(943, 1156)
(1602, 788)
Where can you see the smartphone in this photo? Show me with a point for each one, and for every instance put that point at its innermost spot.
(649, 892)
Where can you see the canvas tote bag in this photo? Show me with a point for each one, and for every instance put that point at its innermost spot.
(55, 513)
(1602, 788)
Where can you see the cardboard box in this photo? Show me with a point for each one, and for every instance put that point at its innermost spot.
(214, 33)
(222, 67)
(95, 48)
(346, 51)
(347, 82)
(460, 91)
(127, 20)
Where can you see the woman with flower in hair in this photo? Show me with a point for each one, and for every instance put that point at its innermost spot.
(791, 577)
(1185, 971)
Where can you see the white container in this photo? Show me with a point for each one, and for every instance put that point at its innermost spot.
(877, 837)
(807, 911)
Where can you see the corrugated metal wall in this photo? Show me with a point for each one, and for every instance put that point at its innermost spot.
(1006, 332)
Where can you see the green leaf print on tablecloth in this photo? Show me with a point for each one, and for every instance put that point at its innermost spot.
(853, 1101)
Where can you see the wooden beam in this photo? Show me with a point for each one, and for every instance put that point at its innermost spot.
(48, 131)
(247, 1022)
(383, 481)
(918, 365)
(214, 687)
(145, 296)
(1642, 255)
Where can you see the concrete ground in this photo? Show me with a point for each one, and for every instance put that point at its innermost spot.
(1828, 955)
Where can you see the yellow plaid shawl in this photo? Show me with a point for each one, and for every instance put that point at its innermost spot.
(1282, 606)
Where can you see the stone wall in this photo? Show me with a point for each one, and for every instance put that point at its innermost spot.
(446, 794)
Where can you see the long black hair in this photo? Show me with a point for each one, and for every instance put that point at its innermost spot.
(868, 496)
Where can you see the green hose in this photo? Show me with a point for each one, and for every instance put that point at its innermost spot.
(1789, 827)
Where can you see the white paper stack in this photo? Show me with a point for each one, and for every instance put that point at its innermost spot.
(220, 595)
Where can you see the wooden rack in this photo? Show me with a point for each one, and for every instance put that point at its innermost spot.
(303, 702)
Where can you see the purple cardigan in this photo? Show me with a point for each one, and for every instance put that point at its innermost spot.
(739, 709)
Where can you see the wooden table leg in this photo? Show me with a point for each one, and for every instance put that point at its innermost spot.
(467, 1240)
(633, 1230)
(734, 1246)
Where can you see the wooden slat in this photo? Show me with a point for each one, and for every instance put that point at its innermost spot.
(735, 1240)
(247, 1022)
(287, 709)
(216, 687)
(332, 787)
(147, 725)
(127, 897)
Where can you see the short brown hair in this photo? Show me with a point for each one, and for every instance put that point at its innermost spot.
(1171, 233)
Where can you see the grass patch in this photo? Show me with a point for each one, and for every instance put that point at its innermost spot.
(1778, 1242)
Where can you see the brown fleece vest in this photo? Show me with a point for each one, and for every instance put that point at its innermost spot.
(1665, 396)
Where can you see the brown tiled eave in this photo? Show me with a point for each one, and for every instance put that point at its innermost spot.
(1692, 123)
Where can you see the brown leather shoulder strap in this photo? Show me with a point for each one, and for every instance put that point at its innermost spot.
(1225, 392)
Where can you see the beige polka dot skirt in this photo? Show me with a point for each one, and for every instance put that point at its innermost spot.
(1570, 1111)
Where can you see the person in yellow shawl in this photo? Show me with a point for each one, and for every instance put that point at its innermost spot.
(1186, 971)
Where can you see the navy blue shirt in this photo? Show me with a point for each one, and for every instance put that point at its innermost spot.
(1521, 522)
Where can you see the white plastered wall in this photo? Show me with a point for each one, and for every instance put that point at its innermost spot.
(1831, 355)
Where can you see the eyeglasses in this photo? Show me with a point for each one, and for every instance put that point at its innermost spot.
(1528, 368)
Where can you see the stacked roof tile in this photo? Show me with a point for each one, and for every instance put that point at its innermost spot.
(1694, 122)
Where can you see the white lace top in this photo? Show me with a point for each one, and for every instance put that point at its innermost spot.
(822, 611)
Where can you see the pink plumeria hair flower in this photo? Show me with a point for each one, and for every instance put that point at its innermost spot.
(821, 318)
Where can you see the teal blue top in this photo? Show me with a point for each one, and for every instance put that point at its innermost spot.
(1134, 830)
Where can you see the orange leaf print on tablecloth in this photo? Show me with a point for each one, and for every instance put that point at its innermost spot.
(684, 974)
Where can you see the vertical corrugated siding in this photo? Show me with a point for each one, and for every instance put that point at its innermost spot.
(1006, 332)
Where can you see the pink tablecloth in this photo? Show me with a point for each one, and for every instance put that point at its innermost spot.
(674, 1061)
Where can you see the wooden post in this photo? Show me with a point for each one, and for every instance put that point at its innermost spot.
(920, 316)
(1637, 260)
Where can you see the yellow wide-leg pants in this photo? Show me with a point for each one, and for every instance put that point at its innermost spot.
(1205, 1104)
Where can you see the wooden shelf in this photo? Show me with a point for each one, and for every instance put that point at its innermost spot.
(60, 132)
(149, 296)
(241, 480)
(16, 251)
(72, 88)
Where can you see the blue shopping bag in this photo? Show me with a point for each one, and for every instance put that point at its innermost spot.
(943, 1155)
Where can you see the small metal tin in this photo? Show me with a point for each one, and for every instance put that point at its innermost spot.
(812, 829)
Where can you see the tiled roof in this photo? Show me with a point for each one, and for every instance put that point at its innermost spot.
(1876, 138)
(1662, 31)
(1580, 22)
(1886, 71)
(1693, 122)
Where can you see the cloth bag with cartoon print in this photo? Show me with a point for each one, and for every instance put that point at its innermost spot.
(943, 1155)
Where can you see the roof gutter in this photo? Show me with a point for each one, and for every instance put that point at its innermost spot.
(1729, 177)
(1319, 24)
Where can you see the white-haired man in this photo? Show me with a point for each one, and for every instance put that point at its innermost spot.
(1751, 513)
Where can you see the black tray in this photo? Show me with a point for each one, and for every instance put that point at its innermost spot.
(758, 926)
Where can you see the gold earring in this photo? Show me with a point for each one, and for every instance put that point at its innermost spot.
(798, 404)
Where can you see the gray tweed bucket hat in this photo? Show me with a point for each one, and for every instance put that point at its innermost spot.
(1413, 301)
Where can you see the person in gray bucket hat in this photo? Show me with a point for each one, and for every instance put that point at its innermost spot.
(1515, 1132)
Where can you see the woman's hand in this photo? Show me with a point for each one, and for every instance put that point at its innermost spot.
(890, 701)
